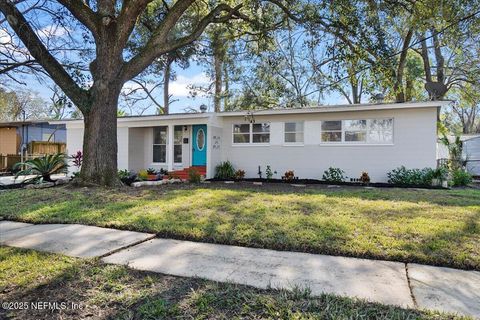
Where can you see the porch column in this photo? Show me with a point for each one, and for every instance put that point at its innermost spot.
(170, 147)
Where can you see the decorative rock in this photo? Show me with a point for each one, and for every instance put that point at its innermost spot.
(298, 185)
(40, 186)
(258, 183)
(229, 182)
(333, 186)
(149, 183)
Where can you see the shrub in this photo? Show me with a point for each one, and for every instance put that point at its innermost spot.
(151, 171)
(440, 173)
(194, 176)
(269, 173)
(43, 167)
(126, 176)
(289, 175)
(461, 178)
(142, 175)
(225, 170)
(333, 175)
(365, 178)
(240, 174)
(404, 176)
(77, 159)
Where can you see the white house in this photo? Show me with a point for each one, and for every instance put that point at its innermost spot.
(369, 137)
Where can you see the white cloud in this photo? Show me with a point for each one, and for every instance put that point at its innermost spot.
(179, 87)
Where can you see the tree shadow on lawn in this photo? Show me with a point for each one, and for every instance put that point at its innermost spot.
(105, 291)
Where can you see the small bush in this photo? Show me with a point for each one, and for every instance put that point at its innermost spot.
(461, 178)
(365, 178)
(289, 175)
(333, 175)
(194, 176)
(404, 176)
(240, 174)
(126, 177)
(151, 171)
(225, 170)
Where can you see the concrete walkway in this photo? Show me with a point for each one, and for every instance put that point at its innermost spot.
(411, 285)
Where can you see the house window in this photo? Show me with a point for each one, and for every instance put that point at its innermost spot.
(355, 130)
(160, 144)
(293, 132)
(251, 133)
(261, 132)
(380, 131)
(241, 133)
(331, 131)
(177, 143)
(371, 131)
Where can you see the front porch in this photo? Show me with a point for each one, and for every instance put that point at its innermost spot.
(172, 147)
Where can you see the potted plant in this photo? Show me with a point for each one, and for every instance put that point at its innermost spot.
(151, 174)
(439, 177)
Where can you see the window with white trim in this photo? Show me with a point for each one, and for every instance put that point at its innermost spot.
(371, 131)
(331, 131)
(177, 144)
(160, 135)
(380, 131)
(355, 130)
(251, 133)
(293, 132)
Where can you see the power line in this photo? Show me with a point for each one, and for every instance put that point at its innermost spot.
(467, 17)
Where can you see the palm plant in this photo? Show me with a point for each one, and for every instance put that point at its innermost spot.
(42, 168)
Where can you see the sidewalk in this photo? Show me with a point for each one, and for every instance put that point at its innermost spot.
(395, 283)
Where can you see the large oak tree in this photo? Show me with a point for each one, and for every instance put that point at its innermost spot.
(111, 25)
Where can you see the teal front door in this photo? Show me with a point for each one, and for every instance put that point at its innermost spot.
(199, 142)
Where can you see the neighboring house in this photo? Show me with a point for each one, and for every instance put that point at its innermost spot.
(16, 133)
(471, 152)
(371, 137)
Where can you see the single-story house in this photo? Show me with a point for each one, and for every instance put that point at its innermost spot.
(369, 137)
(14, 134)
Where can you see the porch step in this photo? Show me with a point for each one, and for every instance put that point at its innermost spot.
(183, 174)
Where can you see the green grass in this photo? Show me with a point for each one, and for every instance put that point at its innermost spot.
(116, 292)
(435, 227)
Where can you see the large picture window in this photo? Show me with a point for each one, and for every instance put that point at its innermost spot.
(251, 133)
(160, 144)
(371, 131)
(293, 132)
(177, 143)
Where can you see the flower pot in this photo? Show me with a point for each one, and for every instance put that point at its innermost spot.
(151, 177)
(436, 182)
(445, 184)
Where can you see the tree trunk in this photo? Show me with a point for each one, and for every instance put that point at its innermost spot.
(217, 64)
(398, 87)
(166, 86)
(100, 136)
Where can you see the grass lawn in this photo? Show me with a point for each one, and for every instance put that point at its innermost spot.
(435, 227)
(115, 292)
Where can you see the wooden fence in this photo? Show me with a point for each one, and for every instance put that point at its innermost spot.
(44, 147)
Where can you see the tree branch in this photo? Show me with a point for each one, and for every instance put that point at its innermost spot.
(19, 24)
(83, 13)
(158, 44)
